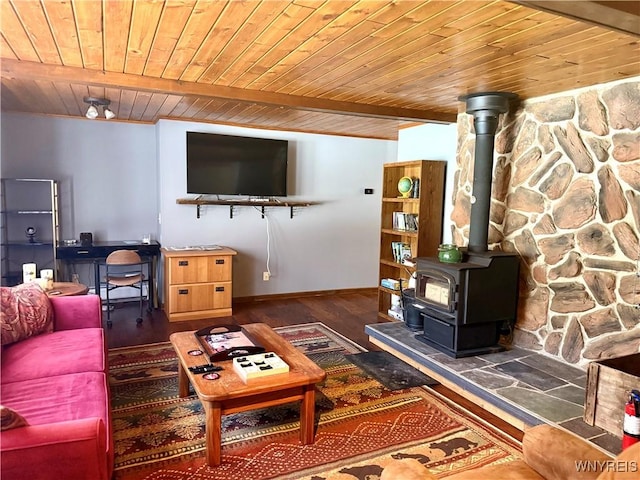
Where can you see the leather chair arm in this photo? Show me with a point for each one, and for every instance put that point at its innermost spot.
(555, 453)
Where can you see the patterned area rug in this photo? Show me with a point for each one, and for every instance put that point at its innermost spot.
(361, 424)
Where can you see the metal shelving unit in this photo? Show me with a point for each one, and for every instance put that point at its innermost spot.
(28, 203)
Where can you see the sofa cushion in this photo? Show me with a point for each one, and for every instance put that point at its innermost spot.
(25, 310)
(51, 400)
(51, 354)
(405, 469)
(516, 470)
(9, 419)
(411, 469)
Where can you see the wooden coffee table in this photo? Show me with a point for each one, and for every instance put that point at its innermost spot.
(229, 394)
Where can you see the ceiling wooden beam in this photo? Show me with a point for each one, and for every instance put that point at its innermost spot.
(38, 71)
(622, 16)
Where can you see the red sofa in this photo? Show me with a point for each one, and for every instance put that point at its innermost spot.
(58, 383)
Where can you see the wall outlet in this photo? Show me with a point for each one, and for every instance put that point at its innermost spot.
(265, 276)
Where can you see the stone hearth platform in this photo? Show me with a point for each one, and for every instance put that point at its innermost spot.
(521, 386)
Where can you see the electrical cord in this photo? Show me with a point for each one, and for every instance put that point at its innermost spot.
(266, 217)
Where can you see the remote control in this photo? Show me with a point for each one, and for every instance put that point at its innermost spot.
(205, 368)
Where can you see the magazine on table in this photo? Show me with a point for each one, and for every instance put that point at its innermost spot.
(222, 342)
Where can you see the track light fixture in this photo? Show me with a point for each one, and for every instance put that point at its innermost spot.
(92, 112)
(94, 103)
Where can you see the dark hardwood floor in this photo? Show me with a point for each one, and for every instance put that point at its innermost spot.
(346, 313)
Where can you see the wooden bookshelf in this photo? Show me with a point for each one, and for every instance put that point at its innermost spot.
(428, 206)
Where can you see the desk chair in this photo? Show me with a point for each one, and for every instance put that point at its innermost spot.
(124, 268)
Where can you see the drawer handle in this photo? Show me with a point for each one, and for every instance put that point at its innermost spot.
(219, 289)
(83, 252)
(219, 261)
(183, 263)
(183, 291)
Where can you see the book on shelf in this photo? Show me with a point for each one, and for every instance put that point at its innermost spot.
(405, 221)
(401, 251)
(390, 283)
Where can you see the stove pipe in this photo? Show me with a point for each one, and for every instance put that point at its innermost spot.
(486, 108)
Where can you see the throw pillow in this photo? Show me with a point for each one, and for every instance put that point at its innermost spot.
(25, 310)
(9, 418)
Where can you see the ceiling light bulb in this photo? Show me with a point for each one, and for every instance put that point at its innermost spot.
(92, 112)
(108, 114)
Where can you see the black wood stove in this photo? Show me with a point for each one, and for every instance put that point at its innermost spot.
(466, 306)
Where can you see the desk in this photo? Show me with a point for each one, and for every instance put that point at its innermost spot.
(97, 253)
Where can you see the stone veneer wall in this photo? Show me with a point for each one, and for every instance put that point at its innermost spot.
(566, 198)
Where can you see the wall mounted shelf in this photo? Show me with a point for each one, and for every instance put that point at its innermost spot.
(242, 203)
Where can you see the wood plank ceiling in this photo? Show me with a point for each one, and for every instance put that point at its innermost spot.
(361, 68)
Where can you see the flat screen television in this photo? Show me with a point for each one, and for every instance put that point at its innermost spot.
(231, 165)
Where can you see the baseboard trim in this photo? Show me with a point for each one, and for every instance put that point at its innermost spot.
(315, 293)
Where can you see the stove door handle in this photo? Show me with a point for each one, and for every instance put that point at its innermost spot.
(440, 322)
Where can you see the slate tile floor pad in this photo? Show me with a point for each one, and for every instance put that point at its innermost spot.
(526, 384)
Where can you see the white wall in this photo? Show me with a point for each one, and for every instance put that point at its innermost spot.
(331, 245)
(107, 171)
(433, 142)
(117, 177)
